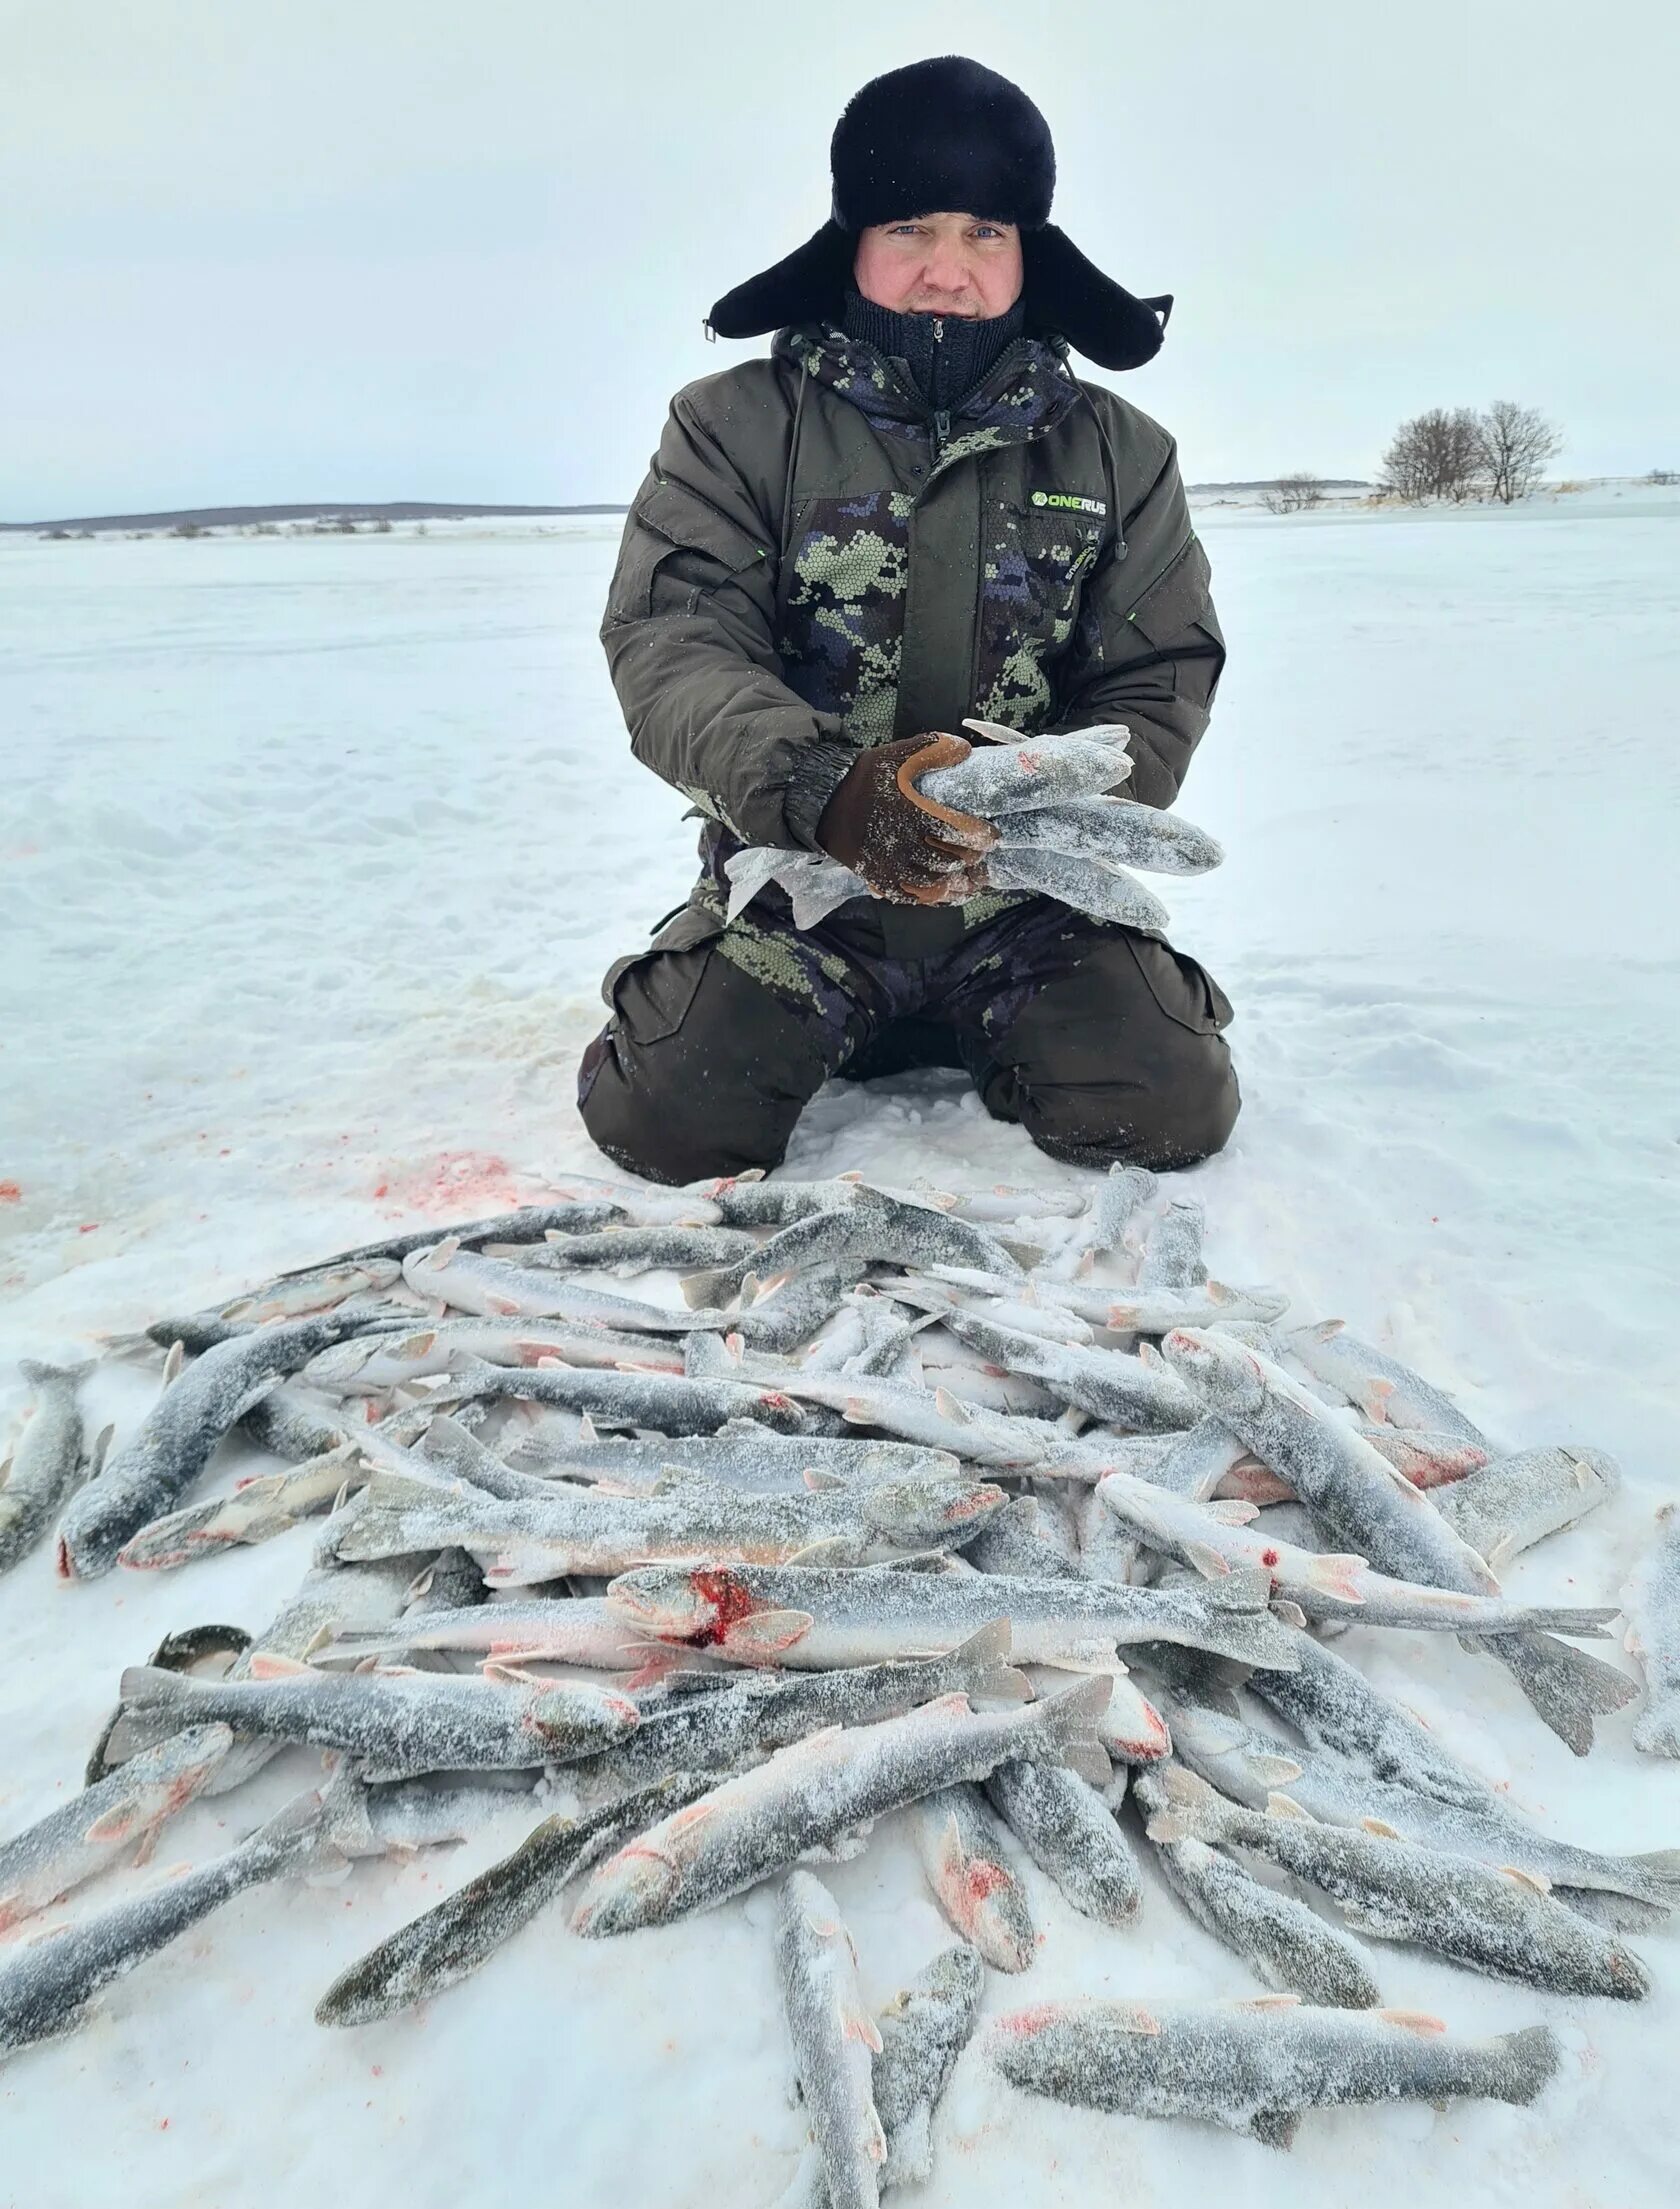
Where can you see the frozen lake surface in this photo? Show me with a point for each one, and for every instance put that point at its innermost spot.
(312, 853)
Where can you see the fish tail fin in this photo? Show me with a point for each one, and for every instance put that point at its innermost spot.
(1241, 1625)
(379, 1527)
(1567, 1688)
(1657, 1863)
(1068, 1730)
(1533, 2057)
(1193, 1810)
(709, 1288)
(981, 1666)
(37, 1372)
(1588, 1625)
(153, 1687)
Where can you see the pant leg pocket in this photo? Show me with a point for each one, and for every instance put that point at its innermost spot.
(652, 991)
(1184, 989)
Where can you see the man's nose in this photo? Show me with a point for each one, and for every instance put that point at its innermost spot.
(945, 269)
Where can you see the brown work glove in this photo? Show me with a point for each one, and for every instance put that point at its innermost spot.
(910, 849)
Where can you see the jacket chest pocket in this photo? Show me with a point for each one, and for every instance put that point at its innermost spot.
(840, 606)
(1034, 569)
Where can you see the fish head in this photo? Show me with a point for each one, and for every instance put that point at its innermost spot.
(912, 1511)
(1222, 1371)
(630, 1889)
(695, 1604)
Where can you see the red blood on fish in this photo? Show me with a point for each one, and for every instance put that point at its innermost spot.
(1022, 2024)
(983, 1880)
(1268, 1556)
(88, 1227)
(730, 1603)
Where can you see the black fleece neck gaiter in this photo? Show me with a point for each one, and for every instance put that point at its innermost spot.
(943, 356)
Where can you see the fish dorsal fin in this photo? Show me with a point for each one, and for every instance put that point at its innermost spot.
(1286, 1808)
(506, 1673)
(1326, 1330)
(1290, 1613)
(1536, 1880)
(173, 1363)
(1131, 2017)
(117, 1825)
(1381, 1828)
(952, 1408)
(1232, 1511)
(1275, 1771)
(822, 1484)
(442, 1254)
(1414, 2021)
(269, 1664)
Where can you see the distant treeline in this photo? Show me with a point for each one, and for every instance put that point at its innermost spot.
(237, 517)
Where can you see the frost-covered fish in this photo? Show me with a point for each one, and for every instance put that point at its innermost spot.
(632, 1250)
(1219, 1538)
(1116, 1388)
(967, 1862)
(1133, 1311)
(1365, 1504)
(47, 1986)
(580, 1630)
(1018, 777)
(1110, 832)
(491, 1288)
(1501, 1922)
(1517, 1501)
(46, 1460)
(255, 1510)
(924, 2029)
(1250, 1765)
(1172, 1250)
(669, 1401)
(374, 1365)
(1119, 1195)
(1105, 891)
(297, 1423)
(811, 1617)
(401, 1726)
(1654, 1638)
(834, 2039)
(145, 1474)
(359, 1821)
(124, 1812)
(742, 1455)
(704, 1722)
(1383, 1388)
(448, 1943)
(933, 1417)
(316, 1289)
(1255, 2066)
(990, 1300)
(1016, 1543)
(1282, 1940)
(1071, 1834)
(870, 1225)
(690, 1519)
(832, 1783)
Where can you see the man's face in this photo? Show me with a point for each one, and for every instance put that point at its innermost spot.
(940, 264)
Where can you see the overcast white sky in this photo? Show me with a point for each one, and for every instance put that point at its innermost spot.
(432, 249)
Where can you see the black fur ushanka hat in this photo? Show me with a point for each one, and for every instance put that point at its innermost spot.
(949, 135)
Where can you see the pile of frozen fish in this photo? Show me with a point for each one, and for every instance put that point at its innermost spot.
(1060, 834)
(991, 1509)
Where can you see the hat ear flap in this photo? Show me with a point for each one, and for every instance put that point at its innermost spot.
(1098, 317)
(808, 285)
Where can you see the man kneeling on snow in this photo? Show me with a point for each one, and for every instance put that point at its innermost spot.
(910, 514)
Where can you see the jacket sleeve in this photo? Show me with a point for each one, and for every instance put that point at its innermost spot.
(1148, 648)
(689, 637)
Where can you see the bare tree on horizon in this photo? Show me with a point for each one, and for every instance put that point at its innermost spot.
(1294, 494)
(1515, 444)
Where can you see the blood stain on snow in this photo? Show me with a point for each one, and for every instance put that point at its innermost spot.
(10, 1193)
(453, 1182)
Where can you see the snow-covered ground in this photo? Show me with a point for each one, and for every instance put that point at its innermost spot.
(311, 853)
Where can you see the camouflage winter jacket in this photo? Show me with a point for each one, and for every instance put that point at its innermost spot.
(817, 562)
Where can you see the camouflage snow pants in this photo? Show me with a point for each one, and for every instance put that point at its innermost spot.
(1102, 1043)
